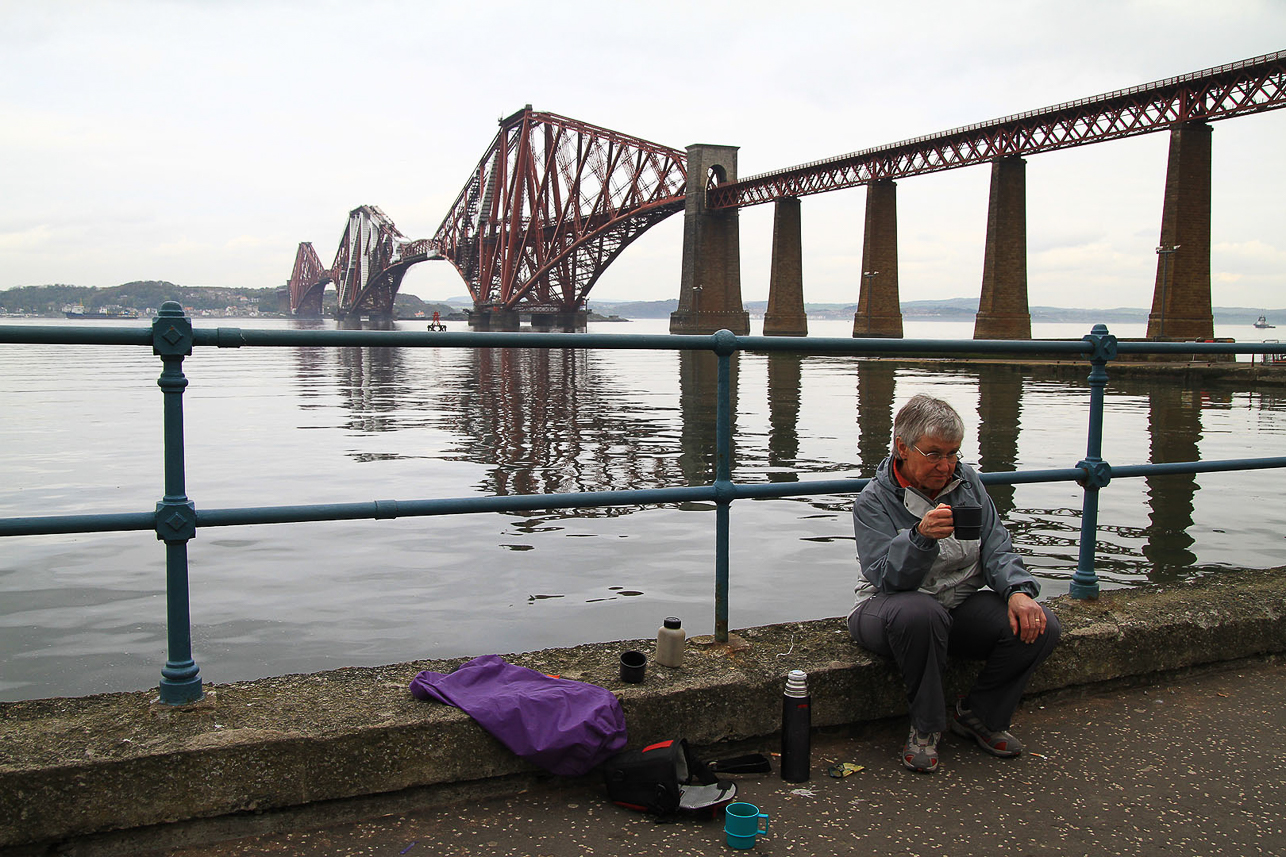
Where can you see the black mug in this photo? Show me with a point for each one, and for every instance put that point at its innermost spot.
(633, 665)
(968, 521)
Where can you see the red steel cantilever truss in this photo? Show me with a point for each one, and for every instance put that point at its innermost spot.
(1249, 86)
(307, 282)
(550, 205)
(369, 265)
(371, 261)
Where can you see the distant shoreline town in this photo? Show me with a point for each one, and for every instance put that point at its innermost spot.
(141, 299)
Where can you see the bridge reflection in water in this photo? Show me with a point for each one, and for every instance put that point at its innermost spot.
(545, 420)
(1174, 423)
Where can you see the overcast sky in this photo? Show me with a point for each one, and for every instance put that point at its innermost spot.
(199, 142)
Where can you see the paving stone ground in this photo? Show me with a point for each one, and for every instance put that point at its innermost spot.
(1186, 767)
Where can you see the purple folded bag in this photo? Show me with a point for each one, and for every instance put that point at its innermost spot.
(566, 727)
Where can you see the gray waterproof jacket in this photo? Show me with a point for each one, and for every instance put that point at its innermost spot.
(895, 557)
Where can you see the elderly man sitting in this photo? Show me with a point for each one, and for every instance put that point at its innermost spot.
(925, 592)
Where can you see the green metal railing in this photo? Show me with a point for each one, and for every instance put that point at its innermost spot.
(176, 519)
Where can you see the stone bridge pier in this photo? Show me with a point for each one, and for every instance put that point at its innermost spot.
(1181, 303)
(1002, 308)
(879, 311)
(710, 286)
(710, 295)
(785, 315)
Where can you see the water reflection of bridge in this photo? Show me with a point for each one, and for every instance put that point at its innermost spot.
(555, 420)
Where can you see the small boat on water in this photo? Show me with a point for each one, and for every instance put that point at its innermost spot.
(1262, 323)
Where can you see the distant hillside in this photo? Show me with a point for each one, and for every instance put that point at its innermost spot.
(150, 294)
(142, 295)
(139, 295)
(958, 309)
(638, 309)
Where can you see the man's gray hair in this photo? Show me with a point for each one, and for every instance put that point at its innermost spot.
(925, 415)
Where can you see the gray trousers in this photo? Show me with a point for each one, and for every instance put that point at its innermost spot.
(918, 633)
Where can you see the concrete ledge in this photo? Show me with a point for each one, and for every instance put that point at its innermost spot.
(72, 767)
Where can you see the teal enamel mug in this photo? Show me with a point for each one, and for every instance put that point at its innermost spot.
(744, 824)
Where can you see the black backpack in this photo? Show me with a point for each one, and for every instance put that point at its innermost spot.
(665, 779)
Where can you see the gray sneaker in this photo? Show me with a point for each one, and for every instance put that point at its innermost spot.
(921, 751)
(966, 725)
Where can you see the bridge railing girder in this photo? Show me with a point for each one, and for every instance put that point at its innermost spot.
(1235, 89)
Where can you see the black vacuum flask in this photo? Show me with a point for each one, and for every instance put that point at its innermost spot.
(796, 726)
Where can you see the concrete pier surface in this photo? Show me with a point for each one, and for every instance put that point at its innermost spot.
(1143, 742)
(1185, 766)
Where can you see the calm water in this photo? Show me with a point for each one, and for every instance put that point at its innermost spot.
(80, 431)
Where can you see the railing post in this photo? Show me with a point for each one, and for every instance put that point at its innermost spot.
(1098, 472)
(175, 514)
(725, 343)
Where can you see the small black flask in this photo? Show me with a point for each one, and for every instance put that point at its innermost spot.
(796, 725)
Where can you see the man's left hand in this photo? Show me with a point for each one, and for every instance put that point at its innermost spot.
(1026, 617)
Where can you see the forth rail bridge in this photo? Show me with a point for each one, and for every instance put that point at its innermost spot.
(554, 201)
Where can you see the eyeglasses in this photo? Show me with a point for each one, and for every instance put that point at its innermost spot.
(938, 457)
